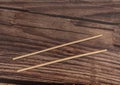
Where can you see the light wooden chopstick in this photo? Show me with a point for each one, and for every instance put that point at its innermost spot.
(70, 43)
(61, 60)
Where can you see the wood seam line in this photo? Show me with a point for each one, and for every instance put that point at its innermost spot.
(58, 46)
(61, 60)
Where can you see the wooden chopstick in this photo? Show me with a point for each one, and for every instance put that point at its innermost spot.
(61, 60)
(70, 43)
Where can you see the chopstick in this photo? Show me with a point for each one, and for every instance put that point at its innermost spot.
(58, 46)
(61, 60)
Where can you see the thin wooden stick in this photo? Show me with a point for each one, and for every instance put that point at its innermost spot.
(77, 41)
(61, 60)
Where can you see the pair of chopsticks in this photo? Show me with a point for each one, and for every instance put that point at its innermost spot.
(59, 60)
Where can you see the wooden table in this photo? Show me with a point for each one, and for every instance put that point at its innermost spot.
(33, 25)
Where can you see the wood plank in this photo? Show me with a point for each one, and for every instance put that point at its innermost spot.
(36, 28)
(7, 84)
(57, 25)
(90, 9)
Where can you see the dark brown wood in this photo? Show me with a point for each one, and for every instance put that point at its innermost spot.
(35, 25)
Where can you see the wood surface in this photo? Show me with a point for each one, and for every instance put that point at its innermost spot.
(6, 84)
(33, 25)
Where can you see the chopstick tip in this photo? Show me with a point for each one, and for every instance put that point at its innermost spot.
(19, 71)
(14, 59)
(106, 50)
(100, 35)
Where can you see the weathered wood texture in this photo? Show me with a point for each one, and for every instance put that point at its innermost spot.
(28, 26)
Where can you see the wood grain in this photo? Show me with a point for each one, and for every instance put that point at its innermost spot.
(36, 25)
(7, 84)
